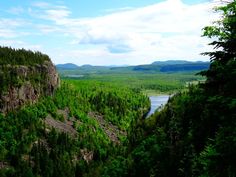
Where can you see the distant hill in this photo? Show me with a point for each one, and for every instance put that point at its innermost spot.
(87, 67)
(173, 66)
(186, 67)
(171, 62)
(147, 68)
(67, 66)
(157, 66)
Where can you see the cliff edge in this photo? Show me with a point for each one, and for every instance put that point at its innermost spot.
(24, 77)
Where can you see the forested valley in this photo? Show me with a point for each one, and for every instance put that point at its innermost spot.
(96, 128)
(66, 134)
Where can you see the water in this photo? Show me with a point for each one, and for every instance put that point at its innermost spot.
(74, 76)
(156, 102)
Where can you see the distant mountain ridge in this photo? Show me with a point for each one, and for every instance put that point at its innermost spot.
(157, 66)
(67, 66)
(197, 66)
(173, 66)
(171, 62)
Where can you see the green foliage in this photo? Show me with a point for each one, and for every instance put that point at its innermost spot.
(220, 76)
(136, 77)
(15, 64)
(155, 82)
(9, 56)
(119, 105)
(116, 167)
(29, 147)
(194, 135)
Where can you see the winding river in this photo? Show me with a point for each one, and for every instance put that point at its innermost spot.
(156, 102)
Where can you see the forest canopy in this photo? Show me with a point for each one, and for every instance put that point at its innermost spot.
(10, 56)
(194, 135)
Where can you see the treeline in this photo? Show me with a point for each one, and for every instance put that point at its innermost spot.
(10, 56)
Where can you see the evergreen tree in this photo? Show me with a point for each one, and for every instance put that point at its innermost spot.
(221, 75)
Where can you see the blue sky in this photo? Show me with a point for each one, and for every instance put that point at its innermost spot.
(114, 32)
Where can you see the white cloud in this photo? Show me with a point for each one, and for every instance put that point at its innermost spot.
(41, 4)
(11, 23)
(46, 29)
(8, 28)
(6, 33)
(56, 14)
(20, 44)
(11, 42)
(119, 9)
(166, 30)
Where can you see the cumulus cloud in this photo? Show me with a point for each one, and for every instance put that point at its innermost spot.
(166, 30)
(170, 29)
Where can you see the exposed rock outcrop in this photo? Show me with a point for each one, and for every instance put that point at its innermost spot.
(67, 126)
(25, 84)
(111, 130)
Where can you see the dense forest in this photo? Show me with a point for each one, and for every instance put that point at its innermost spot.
(185, 67)
(148, 78)
(194, 135)
(10, 56)
(79, 127)
(162, 67)
(92, 128)
(66, 134)
(18, 66)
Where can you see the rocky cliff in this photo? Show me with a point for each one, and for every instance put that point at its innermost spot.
(21, 84)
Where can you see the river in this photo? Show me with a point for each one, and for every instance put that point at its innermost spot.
(156, 102)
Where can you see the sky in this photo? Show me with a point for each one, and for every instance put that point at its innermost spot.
(108, 32)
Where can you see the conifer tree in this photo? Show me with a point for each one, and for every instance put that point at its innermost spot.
(222, 73)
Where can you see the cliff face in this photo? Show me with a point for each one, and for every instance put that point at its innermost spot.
(25, 84)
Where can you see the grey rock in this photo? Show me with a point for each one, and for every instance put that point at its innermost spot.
(45, 81)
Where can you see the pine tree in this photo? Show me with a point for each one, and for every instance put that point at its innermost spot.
(222, 73)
